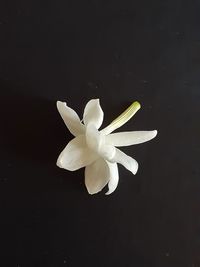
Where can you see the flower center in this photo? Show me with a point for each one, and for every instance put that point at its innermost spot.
(96, 142)
(94, 138)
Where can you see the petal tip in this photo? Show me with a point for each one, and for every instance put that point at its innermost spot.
(155, 132)
(135, 169)
(109, 192)
(58, 163)
(59, 104)
(96, 100)
(90, 192)
(63, 165)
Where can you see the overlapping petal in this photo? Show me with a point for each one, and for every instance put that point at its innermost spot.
(107, 152)
(94, 138)
(93, 113)
(76, 155)
(128, 162)
(113, 177)
(96, 142)
(130, 138)
(96, 176)
(97, 150)
(70, 118)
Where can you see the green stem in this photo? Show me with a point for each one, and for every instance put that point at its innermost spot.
(123, 118)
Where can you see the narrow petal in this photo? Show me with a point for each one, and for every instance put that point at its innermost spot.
(76, 155)
(114, 177)
(93, 113)
(70, 118)
(130, 138)
(128, 162)
(96, 176)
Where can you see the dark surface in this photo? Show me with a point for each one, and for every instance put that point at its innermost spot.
(118, 51)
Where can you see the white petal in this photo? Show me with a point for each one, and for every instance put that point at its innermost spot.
(114, 177)
(107, 152)
(128, 162)
(70, 118)
(93, 113)
(93, 137)
(130, 138)
(76, 155)
(96, 142)
(96, 176)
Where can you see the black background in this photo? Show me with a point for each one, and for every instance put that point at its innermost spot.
(118, 51)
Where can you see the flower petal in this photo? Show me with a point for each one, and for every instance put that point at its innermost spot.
(93, 137)
(96, 142)
(76, 155)
(130, 138)
(107, 152)
(128, 162)
(96, 176)
(93, 113)
(114, 177)
(70, 118)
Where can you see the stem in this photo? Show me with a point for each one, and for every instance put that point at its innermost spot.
(123, 118)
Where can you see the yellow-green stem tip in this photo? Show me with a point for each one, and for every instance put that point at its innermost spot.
(136, 104)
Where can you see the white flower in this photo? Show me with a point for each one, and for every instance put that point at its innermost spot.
(97, 150)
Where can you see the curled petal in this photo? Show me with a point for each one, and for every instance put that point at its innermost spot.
(130, 138)
(96, 176)
(76, 155)
(128, 162)
(70, 118)
(113, 177)
(93, 113)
